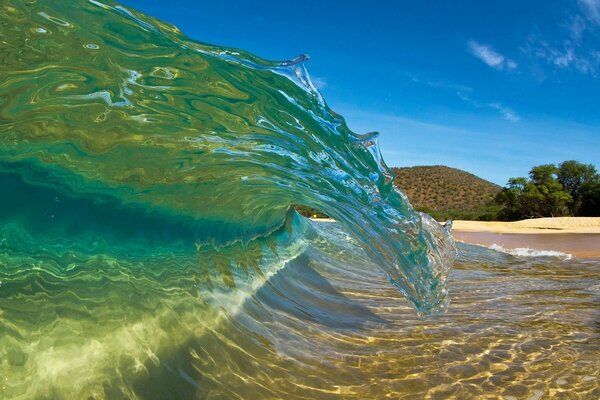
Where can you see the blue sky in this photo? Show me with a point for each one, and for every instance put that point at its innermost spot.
(490, 87)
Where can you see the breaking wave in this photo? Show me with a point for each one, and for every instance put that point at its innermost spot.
(527, 252)
(148, 184)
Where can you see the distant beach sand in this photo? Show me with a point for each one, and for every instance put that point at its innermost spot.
(578, 236)
(532, 226)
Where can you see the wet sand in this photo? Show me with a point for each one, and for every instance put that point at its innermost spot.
(583, 245)
(578, 236)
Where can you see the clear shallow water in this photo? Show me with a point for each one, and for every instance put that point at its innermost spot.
(327, 325)
(148, 248)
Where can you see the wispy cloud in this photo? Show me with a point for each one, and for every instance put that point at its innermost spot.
(506, 112)
(494, 153)
(591, 9)
(467, 94)
(568, 55)
(438, 84)
(448, 86)
(576, 27)
(490, 56)
(574, 50)
(571, 53)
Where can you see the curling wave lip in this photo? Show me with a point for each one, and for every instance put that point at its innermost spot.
(215, 137)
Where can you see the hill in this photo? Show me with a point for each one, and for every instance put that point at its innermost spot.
(446, 192)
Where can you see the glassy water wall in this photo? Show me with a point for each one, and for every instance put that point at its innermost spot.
(148, 248)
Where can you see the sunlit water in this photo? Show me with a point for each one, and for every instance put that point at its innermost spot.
(148, 248)
(327, 325)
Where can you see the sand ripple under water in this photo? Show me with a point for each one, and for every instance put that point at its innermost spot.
(327, 325)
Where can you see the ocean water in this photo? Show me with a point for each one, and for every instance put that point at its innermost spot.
(149, 248)
(326, 325)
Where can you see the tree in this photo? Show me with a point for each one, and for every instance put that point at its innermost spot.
(554, 200)
(573, 176)
(543, 174)
(510, 199)
(539, 196)
(590, 199)
(520, 199)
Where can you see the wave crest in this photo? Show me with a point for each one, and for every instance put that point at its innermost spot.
(109, 103)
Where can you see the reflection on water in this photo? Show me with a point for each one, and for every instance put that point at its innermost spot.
(328, 325)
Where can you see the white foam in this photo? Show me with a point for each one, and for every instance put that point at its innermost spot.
(528, 252)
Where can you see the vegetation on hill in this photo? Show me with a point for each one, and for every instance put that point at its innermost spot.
(569, 189)
(443, 192)
(448, 193)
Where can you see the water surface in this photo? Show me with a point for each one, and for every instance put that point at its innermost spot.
(327, 325)
(149, 248)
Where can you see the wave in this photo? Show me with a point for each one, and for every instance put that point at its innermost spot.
(148, 183)
(101, 102)
(527, 252)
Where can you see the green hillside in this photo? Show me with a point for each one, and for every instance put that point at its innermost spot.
(448, 193)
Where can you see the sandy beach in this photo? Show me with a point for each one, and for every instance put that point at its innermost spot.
(533, 226)
(577, 236)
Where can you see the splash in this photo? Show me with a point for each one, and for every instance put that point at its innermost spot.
(144, 172)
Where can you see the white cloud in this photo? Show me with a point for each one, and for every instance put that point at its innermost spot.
(577, 49)
(437, 83)
(576, 28)
(511, 64)
(506, 112)
(466, 93)
(491, 57)
(565, 55)
(591, 9)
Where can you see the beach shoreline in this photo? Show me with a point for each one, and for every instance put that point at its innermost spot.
(556, 225)
(576, 236)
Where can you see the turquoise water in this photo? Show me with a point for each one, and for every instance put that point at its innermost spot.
(137, 136)
(148, 247)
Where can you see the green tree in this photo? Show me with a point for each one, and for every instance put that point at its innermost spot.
(539, 196)
(520, 199)
(590, 199)
(543, 174)
(554, 200)
(574, 176)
